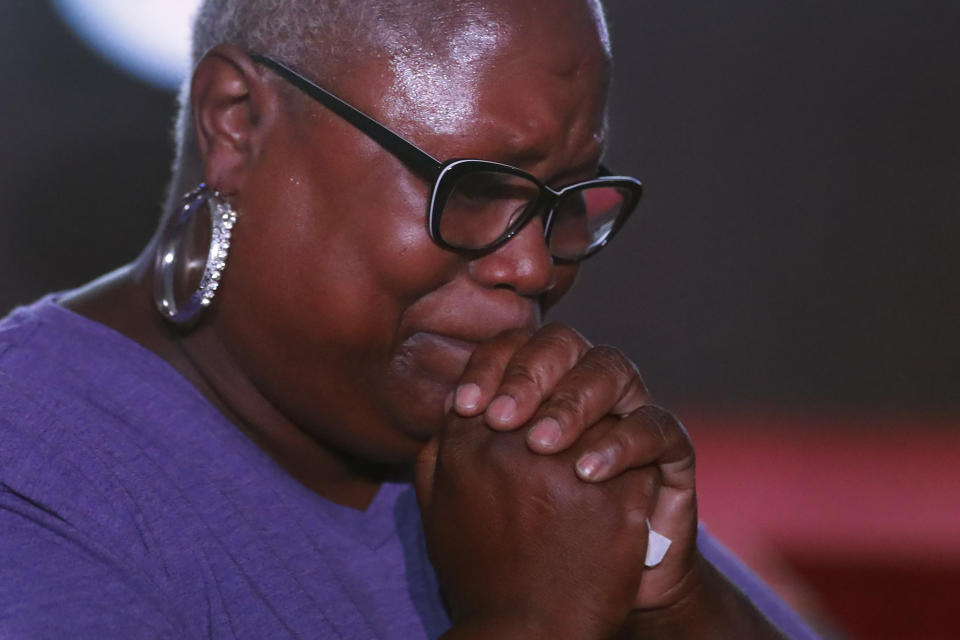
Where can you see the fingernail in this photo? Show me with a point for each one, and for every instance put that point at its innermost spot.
(590, 465)
(468, 397)
(502, 409)
(545, 433)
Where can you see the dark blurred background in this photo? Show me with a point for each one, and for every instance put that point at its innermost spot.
(797, 242)
(793, 268)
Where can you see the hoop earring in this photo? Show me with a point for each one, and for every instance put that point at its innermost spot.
(222, 219)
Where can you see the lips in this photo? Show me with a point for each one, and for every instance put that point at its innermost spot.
(438, 356)
(440, 332)
(476, 325)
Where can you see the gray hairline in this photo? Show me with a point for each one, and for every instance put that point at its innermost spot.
(300, 32)
(313, 35)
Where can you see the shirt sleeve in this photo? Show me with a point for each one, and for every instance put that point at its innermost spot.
(775, 609)
(56, 584)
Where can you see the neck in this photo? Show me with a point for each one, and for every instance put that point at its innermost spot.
(123, 301)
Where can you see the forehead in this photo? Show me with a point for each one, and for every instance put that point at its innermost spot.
(519, 77)
(432, 73)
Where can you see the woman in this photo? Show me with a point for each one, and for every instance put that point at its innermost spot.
(218, 440)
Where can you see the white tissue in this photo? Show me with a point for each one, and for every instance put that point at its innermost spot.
(657, 546)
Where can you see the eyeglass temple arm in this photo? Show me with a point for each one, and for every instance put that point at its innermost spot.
(406, 151)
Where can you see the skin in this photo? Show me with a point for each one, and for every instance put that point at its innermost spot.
(347, 345)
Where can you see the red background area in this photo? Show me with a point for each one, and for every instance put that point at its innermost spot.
(855, 520)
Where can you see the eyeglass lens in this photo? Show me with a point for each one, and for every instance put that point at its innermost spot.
(584, 218)
(483, 206)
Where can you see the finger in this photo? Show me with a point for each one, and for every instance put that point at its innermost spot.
(532, 374)
(648, 436)
(484, 371)
(603, 382)
(641, 491)
(424, 470)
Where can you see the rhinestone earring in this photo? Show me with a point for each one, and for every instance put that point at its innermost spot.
(169, 256)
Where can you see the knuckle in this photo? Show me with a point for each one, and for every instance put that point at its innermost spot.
(525, 374)
(489, 359)
(650, 484)
(563, 336)
(618, 441)
(646, 484)
(635, 520)
(561, 329)
(637, 506)
(608, 351)
(674, 437)
(685, 464)
(544, 358)
(503, 343)
(661, 420)
(613, 361)
(484, 358)
(661, 415)
(516, 336)
(569, 404)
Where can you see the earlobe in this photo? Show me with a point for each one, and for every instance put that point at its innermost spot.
(229, 102)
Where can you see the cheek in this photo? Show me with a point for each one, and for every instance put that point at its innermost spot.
(398, 258)
(347, 257)
(314, 299)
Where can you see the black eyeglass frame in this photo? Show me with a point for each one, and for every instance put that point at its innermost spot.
(442, 174)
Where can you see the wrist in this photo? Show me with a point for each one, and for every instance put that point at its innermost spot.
(523, 628)
(709, 607)
(495, 629)
(688, 606)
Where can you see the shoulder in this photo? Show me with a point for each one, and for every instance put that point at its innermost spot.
(79, 496)
(83, 421)
(60, 417)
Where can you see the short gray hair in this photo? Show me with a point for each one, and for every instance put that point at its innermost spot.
(295, 31)
(303, 32)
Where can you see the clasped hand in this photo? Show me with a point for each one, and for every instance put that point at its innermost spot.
(537, 493)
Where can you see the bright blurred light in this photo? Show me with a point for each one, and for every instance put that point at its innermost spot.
(147, 38)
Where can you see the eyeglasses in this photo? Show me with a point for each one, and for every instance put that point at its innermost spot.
(476, 206)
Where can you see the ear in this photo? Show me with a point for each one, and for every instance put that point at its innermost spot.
(233, 108)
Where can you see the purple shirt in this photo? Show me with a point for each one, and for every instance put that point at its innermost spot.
(130, 508)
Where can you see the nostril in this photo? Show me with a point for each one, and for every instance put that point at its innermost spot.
(523, 264)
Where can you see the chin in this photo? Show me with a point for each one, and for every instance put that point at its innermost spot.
(424, 423)
(416, 407)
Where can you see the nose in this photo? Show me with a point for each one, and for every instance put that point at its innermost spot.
(523, 264)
